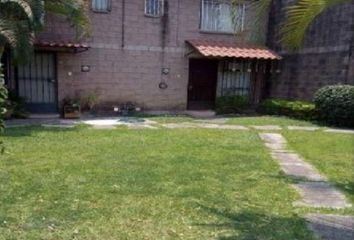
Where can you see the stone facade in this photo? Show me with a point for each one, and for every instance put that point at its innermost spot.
(325, 59)
(128, 53)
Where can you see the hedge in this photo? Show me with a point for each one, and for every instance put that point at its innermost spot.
(231, 104)
(335, 105)
(296, 109)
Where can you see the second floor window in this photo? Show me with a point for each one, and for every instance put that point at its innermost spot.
(101, 5)
(154, 8)
(222, 16)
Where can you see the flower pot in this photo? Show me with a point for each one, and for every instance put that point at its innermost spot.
(72, 111)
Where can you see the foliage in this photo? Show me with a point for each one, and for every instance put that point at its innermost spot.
(3, 96)
(296, 109)
(89, 101)
(299, 18)
(231, 104)
(335, 104)
(68, 101)
(15, 106)
(21, 19)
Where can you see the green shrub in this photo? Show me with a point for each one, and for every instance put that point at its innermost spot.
(231, 104)
(296, 109)
(335, 104)
(3, 96)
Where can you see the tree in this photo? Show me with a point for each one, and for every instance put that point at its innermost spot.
(299, 17)
(20, 20)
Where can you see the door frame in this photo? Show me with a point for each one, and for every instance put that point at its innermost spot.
(215, 83)
(56, 84)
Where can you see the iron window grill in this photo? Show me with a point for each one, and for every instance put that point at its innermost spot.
(235, 78)
(154, 8)
(101, 5)
(222, 16)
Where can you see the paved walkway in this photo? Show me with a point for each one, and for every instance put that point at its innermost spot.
(141, 123)
(312, 186)
(314, 190)
(331, 227)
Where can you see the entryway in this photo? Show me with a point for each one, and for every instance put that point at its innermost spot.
(37, 83)
(203, 74)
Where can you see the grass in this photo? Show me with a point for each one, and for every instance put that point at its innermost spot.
(268, 120)
(143, 184)
(239, 120)
(332, 154)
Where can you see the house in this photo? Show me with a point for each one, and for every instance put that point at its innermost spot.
(158, 54)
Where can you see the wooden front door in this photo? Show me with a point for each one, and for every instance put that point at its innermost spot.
(203, 74)
(37, 83)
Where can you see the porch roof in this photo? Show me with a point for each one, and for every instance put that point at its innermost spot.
(62, 45)
(232, 50)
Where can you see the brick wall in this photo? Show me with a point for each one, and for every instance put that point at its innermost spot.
(130, 70)
(324, 59)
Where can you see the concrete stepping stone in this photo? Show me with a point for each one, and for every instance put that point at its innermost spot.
(57, 126)
(217, 126)
(294, 166)
(177, 125)
(214, 120)
(334, 130)
(274, 141)
(314, 190)
(331, 227)
(104, 127)
(301, 128)
(142, 126)
(267, 128)
(320, 195)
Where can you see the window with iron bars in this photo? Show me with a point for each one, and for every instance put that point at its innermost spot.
(154, 8)
(101, 5)
(235, 78)
(222, 16)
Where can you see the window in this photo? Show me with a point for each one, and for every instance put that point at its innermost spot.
(235, 78)
(222, 16)
(101, 5)
(154, 8)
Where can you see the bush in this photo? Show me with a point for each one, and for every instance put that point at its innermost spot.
(231, 104)
(296, 109)
(3, 96)
(335, 104)
(15, 106)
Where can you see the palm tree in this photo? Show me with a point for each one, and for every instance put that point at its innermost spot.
(299, 17)
(20, 20)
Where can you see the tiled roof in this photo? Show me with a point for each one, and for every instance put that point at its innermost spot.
(232, 50)
(61, 44)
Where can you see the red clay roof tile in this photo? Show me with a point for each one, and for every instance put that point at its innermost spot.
(234, 50)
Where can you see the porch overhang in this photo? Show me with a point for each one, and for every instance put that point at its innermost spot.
(217, 49)
(61, 46)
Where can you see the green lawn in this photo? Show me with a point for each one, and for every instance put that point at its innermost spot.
(239, 120)
(268, 120)
(331, 153)
(143, 184)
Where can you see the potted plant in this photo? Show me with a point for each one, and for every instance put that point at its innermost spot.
(71, 108)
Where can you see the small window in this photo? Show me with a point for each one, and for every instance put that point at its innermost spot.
(154, 8)
(101, 5)
(222, 16)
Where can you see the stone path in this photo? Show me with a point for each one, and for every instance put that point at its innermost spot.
(331, 227)
(314, 189)
(141, 123)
